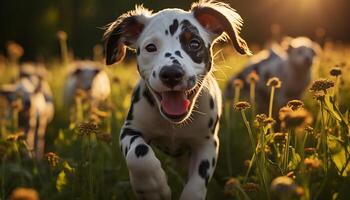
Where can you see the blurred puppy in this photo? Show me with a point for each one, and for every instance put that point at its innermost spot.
(291, 63)
(30, 97)
(89, 78)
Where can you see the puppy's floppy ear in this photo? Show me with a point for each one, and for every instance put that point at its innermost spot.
(124, 32)
(218, 18)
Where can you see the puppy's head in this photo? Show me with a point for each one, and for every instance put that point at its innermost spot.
(29, 71)
(84, 73)
(302, 52)
(173, 50)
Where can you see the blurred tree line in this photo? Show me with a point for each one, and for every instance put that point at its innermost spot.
(34, 24)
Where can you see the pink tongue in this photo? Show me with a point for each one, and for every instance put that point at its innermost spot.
(174, 103)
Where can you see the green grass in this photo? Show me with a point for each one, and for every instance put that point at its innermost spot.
(91, 166)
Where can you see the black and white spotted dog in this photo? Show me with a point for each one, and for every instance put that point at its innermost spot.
(176, 105)
(291, 63)
(89, 77)
(36, 110)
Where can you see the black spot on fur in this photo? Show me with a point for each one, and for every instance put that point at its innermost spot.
(211, 103)
(147, 94)
(138, 51)
(133, 139)
(210, 124)
(178, 53)
(173, 27)
(166, 32)
(130, 116)
(135, 99)
(215, 124)
(126, 151)
(167, 54)
(141, 150)
(203, 170)
(213, 162)
(200, 55)
(129, 132)
(48, 98)
(172, 57)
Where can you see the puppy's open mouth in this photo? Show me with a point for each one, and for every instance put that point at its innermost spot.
(176, 104)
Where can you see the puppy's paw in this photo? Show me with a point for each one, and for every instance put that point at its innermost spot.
(146, 174)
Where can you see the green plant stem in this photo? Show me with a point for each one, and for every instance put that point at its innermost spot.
(271, 100)
(252, 160)
(261, 162)
(228, 139)
(252, 99)
(3, 178)
(64, 51)
(324, 140)
(336, 92)
(237, 94)
(246, 122)
(90, 169)
(325, 151)
(79, 111)
(345, 166)
(245, 196)
(286, 152)
(19, 157)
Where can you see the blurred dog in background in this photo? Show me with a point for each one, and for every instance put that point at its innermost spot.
(89, 80)
(291, 62)
(30, 99)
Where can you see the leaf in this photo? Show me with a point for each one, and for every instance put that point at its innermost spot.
(68, 167)
(61, 181)
(338, 154)
(331, 108)
(294, 160)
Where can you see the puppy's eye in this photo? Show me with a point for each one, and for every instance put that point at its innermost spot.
(194, 44)
(151, 48)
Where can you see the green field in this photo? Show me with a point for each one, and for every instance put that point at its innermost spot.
(90, 165)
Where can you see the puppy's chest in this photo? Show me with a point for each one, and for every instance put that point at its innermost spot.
(171, 146)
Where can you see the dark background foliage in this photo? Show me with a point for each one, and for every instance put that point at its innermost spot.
(34, 24)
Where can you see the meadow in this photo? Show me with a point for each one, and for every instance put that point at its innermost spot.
(83, 159)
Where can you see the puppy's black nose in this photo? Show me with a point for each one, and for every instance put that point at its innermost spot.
(171, 75)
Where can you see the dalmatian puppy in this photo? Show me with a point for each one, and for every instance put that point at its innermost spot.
(176, 106)
(291, 63)
(36, 109)
(89, 77)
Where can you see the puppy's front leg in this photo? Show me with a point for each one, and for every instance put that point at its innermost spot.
(201, 168)
(146, 174)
